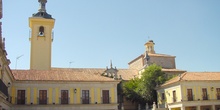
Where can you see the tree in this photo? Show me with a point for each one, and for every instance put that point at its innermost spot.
(131, 90)
(151, 77)
(142, 90)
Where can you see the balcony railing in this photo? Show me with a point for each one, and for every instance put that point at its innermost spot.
(105, 101)
(3, 88)
(205, 97)
(174, 99)
(86, 100)
(190, 97)
(64, 100)
(9, 99)
(218, 96)
(42, 101)
(20, 101)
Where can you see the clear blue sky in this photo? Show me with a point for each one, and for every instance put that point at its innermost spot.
(92, 32)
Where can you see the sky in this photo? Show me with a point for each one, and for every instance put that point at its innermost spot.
(90, 33)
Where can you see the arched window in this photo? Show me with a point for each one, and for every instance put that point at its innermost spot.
(41, 31)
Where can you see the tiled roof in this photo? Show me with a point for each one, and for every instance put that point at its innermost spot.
(172, 70)
(127, 74)
(160, 55)
(72, 74)
(195, 76)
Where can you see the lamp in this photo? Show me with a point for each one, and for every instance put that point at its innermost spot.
(75, 90)
(212, 88)
(9, 84)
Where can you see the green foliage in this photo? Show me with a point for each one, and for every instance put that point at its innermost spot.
(151, 77)
(142, 89)
(131, 90)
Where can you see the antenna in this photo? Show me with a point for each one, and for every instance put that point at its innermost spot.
(17, 58)
(70, 63)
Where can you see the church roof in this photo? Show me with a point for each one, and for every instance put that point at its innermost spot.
(172, 70)
(160, 55)
(151, 55)
(69, 74)
(42, 11)
(194, 76)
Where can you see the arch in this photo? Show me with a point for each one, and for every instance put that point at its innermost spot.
(41, 31)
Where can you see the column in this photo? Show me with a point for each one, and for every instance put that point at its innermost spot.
(198, 107)
(54, 95)
(32, 94)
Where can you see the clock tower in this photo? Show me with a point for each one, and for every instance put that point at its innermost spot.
(41, 25)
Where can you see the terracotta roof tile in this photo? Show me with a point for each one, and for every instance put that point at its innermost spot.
(73, 74)
(195, 76)
(160, 55)
(172, 70)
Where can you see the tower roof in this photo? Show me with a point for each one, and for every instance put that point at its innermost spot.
(149, 42)
(42, 10)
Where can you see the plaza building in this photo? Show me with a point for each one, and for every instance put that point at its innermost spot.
(43, 87)
(6, 77)
(191, 91)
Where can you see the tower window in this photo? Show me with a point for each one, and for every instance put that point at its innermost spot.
(41, 31)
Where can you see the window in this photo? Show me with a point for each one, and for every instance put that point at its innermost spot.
(163, 96)
(43, 97)
(41, 31)
(85, 96)
(218, 93)
(204, 94)
(105, 96)
(174, 96)
(64, 97)
(21, 97)
(189, 94)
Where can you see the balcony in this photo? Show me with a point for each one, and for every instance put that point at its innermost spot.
(190, 97)
(85, 100)
(174, 99)
(218, 96)
(64, 100)
(42, 101)
(20, 101)
(3, 88)
(9, 99)
(106, 101)
(205, 97)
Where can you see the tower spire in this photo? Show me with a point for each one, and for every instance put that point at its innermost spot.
(42, 10)
(42, 5)
(111, 63)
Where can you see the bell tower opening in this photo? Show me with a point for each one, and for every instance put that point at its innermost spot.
(150, 47)
(41, 31)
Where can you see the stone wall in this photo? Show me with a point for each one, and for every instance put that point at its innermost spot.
(164, 62)
(137, 64)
